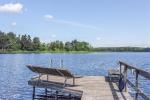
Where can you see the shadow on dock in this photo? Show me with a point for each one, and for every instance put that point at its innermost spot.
(114, 90)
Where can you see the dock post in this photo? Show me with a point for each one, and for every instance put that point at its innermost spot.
(61, 63)
(46, 91)
(120, 70)
(33, 95)
(56, 97)
(51, 63)
(136, 84)
(125, 78)
(73, 80)
(69, 96)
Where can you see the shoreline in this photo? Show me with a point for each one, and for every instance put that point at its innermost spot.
(38, 52)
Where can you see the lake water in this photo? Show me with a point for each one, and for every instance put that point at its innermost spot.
(14, 74)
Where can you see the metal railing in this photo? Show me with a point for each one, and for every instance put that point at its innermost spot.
(124, 68)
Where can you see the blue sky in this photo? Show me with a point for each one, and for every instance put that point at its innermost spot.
(100, 22)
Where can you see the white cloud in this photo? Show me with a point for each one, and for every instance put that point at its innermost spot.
(13, 24)
(11, 8)
(48, 16)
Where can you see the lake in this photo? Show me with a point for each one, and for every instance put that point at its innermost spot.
(14, 74)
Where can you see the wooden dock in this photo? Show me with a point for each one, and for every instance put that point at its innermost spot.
(91, 87)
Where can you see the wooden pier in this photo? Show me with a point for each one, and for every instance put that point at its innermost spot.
(88, 87)
(91, 87)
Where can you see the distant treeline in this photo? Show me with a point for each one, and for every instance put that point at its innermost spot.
(121, 49)
(12, 42)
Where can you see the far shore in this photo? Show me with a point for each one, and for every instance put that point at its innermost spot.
(29, 52)
(36, 52)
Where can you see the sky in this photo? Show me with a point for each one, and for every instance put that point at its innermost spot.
(102, 23)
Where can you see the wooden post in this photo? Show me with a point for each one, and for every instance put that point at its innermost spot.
(46, 91)
(33, 95)
(73, 80)
(51, 63)
(136, 84)
(120, 70)
(56, 97)
(69, 96)
(125, 76)
(47, 78)
(61, 63)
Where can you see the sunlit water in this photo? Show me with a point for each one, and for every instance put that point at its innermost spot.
(14, 75)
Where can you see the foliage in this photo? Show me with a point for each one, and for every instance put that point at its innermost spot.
(11, 42)
(36, 43)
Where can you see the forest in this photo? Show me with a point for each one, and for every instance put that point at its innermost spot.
(10, 42)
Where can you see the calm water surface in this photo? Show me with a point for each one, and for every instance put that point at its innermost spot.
(14, 75)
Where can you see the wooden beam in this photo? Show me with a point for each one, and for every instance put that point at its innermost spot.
(141, 72)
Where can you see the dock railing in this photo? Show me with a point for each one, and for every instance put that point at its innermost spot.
(124, 68)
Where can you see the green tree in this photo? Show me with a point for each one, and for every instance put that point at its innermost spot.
(4, 41)
(13, 39)
(36, 43)
(68, 46)
(26, 43)
(43, 47)
(56, 46)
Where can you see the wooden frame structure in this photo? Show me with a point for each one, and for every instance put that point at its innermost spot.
(60, 72)
(124, 67)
